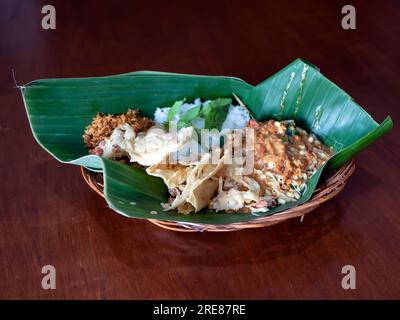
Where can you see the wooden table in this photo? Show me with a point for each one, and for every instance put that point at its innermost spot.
(49, 216)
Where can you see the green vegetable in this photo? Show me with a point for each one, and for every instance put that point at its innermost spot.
(191, 114)
(182, 124)
(215, 112)
(175, 109)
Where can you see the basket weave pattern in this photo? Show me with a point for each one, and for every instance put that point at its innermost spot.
(327, 190)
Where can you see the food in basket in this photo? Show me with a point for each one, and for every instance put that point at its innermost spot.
(59, 110)
(275, 160)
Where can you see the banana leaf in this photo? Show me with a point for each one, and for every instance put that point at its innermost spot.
(59, 110)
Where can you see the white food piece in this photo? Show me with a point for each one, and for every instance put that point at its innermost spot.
(156, 144)
(256, 210)
(232, 199)
(161, 115)
(122, 138)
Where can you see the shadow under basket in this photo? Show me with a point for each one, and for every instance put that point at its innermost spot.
(328, 188)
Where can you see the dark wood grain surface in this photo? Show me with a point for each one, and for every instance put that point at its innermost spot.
(48, 215)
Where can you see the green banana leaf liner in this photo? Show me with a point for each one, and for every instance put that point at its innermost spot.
(60, 109)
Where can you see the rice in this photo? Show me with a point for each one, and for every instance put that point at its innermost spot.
(237, 118)
(161, 115)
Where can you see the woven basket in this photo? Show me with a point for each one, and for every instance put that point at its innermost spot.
(326, 190)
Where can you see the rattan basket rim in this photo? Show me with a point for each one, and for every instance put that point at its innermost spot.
(330, 188)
